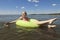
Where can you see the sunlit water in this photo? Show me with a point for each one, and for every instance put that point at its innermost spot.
(11, 33)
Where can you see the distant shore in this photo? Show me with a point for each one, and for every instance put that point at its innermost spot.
(47, 14)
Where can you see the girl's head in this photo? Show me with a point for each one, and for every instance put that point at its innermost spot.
(24, 14)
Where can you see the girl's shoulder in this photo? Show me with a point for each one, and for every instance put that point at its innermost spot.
(21, 17)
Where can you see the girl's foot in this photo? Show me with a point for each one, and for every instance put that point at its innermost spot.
(52, 20)
(51, 26)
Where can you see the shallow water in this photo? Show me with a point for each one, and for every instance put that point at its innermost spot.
(12, 33)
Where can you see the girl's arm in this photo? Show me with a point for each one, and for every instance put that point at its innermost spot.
(16, 20)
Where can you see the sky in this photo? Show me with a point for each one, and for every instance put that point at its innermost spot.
(13, 7)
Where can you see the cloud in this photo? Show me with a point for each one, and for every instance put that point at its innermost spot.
(16, 6)
(54, 4)
(29, 0)
(22, 7)
(35, 1)
(36, 5)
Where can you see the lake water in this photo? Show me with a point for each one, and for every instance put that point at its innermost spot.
(37, 34)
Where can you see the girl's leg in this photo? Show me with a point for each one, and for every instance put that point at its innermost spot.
(46, 21)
